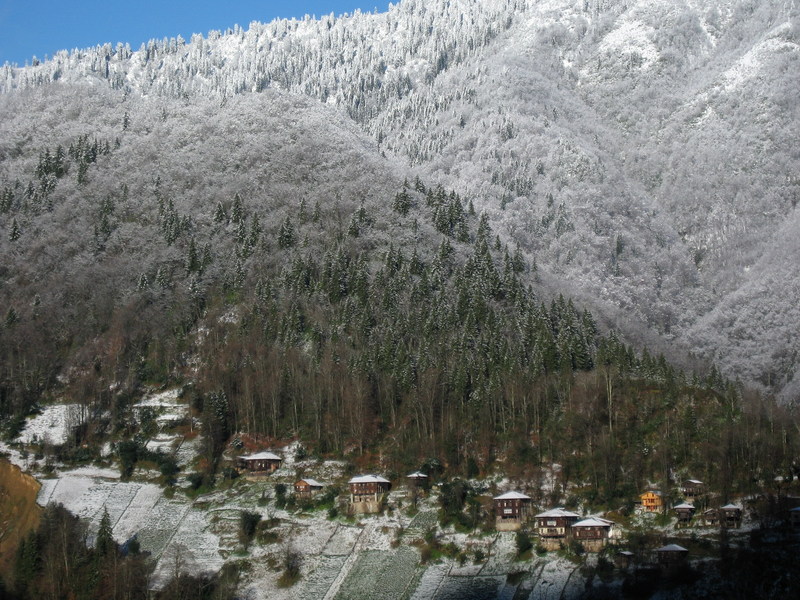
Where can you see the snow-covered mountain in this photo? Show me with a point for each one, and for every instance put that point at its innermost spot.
(642, 153)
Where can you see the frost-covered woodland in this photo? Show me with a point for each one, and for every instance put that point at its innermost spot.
(641, 152)
(501, 234)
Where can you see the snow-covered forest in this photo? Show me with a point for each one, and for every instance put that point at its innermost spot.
(641, 153)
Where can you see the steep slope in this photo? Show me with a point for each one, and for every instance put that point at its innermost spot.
(642, 153)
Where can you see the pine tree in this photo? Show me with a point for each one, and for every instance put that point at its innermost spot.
(105, 544)
(286, 234)
(237, 210)
(11, 318)
(14, 232)
(220, 215)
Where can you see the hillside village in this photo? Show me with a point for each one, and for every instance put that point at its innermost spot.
(469, 299)
(310, 527)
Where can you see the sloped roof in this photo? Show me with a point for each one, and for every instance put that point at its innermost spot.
(672, 548)
(312, 482)
(368, 479)
(685, 505)
(593, 522)
(730, 507)
(512, 496)
(557, 512)
(697, 481)
(262, 456)
(417, 475)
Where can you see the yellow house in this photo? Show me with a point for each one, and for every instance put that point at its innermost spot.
(652, 501)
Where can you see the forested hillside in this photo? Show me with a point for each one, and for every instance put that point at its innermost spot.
(305, 287)
(512, 241)
(641, 153)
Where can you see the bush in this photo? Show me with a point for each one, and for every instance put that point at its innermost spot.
(523, 542)
(248, 523)
(292, 561)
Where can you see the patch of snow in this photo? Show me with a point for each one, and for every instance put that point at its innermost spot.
(629, 39)
(53, 425)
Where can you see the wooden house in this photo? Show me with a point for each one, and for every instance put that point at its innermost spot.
(652, 501)
(367, 492)
(794, 518)
(730, 515)
(671, 554)
(417, 479)
(261, 463)
(593, 533)
(553, 527)
(511, 511)
(711, 517)
(306, 488)
(623, 559)
(692, 489)
(684, 512)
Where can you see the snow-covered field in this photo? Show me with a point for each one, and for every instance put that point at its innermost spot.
(53, 425)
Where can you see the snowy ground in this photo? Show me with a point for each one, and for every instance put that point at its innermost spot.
(53, 425)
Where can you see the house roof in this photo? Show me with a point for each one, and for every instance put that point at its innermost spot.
(512, 496)
(262, 456)
(696, 481)
(625, 553)
(368, 479)
(311, 482)
(685, 505)
(730, 507)
(593, 522)
(417, 475)
(656, 492)
(557, 512)
(672, 548)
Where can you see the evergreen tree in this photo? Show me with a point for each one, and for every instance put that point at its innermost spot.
(14, 231)
(286, 234)
(104, 543)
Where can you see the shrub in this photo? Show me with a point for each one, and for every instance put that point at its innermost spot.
(523, 542)
(248, 523)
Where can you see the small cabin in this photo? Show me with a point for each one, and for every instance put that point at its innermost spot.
(262, 463)
(730, 515)
(593, 533)
(711, 517)
(553, 526)
(306, 488)
(671, 554)
(623, 559)
(367, 492)
(417, 479)
(652, 501)
(511, 511)
(794, 518)
(684, 513)
(692, 489)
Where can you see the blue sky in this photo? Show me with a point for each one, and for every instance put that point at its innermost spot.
(37, 28)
